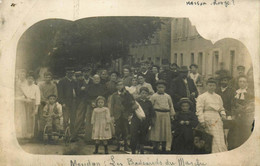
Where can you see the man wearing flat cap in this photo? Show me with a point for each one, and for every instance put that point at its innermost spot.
(240, 72)
(183, 86)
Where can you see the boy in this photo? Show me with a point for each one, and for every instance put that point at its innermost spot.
(122, 106)
(52, 115)
(139, 128)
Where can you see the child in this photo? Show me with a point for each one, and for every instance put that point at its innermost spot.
(101, 124)
(139, 128)
(164, 112)
(52, 115)
(184, 121)
(122, 107)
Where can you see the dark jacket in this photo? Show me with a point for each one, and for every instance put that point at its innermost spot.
(82, 94)
(65, 91)
(121, 104)
(227, 97)
(149, 77)
(95, 90)
(167, 76)
(178, 90)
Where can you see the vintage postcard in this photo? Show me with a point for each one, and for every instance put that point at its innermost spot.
(129, 83)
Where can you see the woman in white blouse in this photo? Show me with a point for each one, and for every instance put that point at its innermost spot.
(32, 97)
(210, 112)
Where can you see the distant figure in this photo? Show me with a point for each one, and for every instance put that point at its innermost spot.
(241, 72)
(127, 76)
(147, 74)
(194, 75)
(167, 75)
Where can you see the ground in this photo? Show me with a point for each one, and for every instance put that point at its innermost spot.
(77, 148)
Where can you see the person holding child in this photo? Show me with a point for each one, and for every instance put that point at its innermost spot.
(101, 124)
(139, 128)
(164, 112)
(52, 115)
(185, 121)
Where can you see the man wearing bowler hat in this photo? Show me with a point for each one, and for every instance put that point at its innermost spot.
(183, 86)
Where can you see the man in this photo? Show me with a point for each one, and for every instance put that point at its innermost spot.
(226, 93)
(174, 68)
(241, 72)
(148, 75)
(183, 86)
(47, 88)
(167, 75)
(194, 75)
(81, 91)
(93, 90)
(67, 97)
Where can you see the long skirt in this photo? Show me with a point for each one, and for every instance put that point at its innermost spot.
(214, 126)
(30, 119)
(20, 119)
(161, 131)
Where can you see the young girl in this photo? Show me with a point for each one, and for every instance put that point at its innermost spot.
(101, 124)
(184, 121)
(164, 111)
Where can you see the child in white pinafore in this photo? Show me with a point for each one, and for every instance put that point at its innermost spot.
(101, 124)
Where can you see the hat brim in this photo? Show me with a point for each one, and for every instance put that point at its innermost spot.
(185, 101)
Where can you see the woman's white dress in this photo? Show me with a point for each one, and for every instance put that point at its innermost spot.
(209, 107)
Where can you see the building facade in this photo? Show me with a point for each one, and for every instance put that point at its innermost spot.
(179, 42)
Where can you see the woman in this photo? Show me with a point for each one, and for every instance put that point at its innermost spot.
(242, 111)
(32, 96)
(20, 113)
(210, 110)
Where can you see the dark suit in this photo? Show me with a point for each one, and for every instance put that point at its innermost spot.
(167, 76)
(66, 93)
(81, 105)
(227, 96)
(121, 109)
(178, 91)
(149, 77)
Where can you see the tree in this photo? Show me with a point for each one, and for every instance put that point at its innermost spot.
(60, 43)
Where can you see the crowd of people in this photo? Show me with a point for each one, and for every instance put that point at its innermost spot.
(148, 105)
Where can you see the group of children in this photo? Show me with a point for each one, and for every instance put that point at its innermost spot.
(160, 120)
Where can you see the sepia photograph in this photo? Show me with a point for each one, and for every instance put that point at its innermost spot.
(130, 85)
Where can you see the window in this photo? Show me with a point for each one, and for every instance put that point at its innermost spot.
(192, 58)
(232, 61)
(200, 62)
(215, 61)
(176, 58)
(181, 59)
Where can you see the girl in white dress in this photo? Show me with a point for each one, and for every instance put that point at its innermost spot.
(210, 112)
(101, 124)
